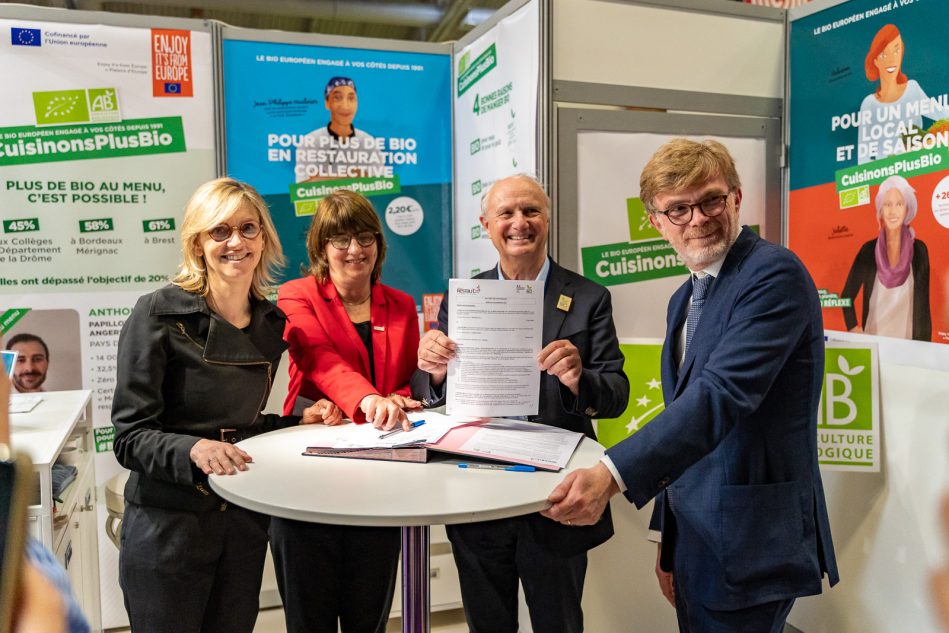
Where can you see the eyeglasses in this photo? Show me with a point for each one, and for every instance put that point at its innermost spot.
(222, 232)
(681, 213)
(342, 242)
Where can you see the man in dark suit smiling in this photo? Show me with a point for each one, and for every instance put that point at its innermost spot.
(582, 378)
(732, 459)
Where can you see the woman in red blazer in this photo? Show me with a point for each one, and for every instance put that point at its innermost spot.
(352, 340)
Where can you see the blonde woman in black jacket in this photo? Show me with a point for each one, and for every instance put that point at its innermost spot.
(196, 362)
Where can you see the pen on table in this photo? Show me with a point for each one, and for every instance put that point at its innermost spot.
(415, 425)
(518, 468)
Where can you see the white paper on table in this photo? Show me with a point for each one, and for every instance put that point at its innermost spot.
(525, 443)
(24, 402)
(497, 326)
(366, 436)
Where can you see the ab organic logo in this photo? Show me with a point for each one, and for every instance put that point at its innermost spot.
(847, 397)
(848, 433)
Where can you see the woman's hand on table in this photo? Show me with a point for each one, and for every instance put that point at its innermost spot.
(322, 411)
(404, 402)
(385, 413)
(220, 458)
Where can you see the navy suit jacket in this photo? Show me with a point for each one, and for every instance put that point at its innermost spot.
(603, 392)
(733, 457)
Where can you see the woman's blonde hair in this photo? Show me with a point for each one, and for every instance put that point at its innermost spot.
(342, 212)
(210, 205)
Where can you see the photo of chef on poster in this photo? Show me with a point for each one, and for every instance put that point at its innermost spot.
(868, 209)
(321, 118)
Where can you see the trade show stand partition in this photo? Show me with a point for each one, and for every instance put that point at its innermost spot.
(867, 130)
(629, 75)
(113, 120)
(116, 119)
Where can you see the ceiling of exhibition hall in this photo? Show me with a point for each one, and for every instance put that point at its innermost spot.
(419, 20)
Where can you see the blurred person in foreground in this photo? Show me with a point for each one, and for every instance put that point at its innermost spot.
(44, 601)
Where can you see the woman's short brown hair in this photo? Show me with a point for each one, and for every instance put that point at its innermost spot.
(211, 204)
(342, 212)
(683, 163)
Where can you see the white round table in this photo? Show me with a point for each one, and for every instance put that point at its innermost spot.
(282, 482)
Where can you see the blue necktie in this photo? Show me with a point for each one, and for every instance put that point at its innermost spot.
(699, 290)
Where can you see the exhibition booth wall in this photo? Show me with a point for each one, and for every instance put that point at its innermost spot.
(580, 92)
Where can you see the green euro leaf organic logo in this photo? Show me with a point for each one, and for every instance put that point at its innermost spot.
(642, 366)
(639, 226)
(56, 107)
(847, 396)
(854, 197)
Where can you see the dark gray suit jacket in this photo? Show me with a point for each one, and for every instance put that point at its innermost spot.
(603, 393)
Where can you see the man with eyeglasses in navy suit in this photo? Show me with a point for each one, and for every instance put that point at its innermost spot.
(732, 460)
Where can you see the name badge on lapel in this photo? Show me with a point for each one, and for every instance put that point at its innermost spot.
(564, 303)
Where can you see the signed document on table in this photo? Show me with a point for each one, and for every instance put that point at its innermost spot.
(500, 440)
(497, 326)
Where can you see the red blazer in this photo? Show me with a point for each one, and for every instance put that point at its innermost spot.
(327, 357)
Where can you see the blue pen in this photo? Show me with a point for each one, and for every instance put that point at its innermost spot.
(415, 425)
(517, 468)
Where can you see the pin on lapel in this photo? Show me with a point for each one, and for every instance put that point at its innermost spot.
(564, 303)
(379, 328)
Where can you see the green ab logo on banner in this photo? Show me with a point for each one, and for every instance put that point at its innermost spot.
(847, 397)
(103, 104)
(848, 431)
(642, 367)
(59, 107)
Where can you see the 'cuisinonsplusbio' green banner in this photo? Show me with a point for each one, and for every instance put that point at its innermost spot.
(905, 165)
(134, 137)
(626, 263)
(469, 74)
(305, 195)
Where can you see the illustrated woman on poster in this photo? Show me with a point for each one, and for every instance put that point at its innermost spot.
(890, 112)
(892, 270)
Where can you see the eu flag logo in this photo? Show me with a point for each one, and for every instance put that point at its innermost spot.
(25, 37)
(172, 88)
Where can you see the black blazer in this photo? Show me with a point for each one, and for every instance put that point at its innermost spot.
(604, 388)
(863, 273)
(183, 374)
